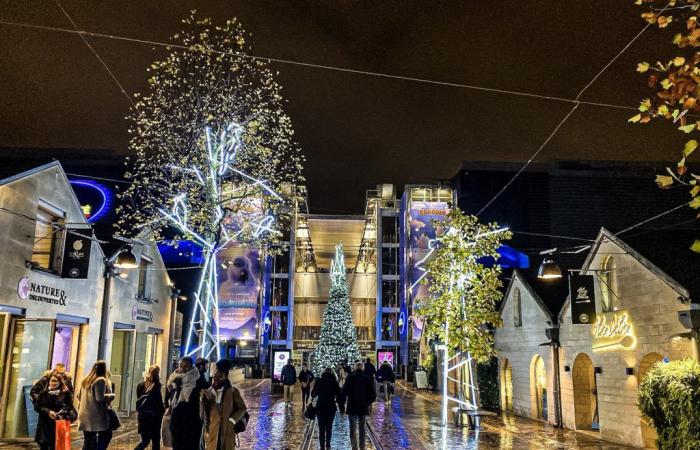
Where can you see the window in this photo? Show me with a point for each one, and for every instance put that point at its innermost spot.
(46, 238)
(390, 261)
(144, 290)
(517, 308)
(607, 278)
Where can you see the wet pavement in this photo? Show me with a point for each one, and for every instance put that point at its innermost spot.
(412, 421)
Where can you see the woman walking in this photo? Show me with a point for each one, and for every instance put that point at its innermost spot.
(94, 413)
(326, 391)
(54, 402)
(387, 377)
(222, 407)
(150, 409)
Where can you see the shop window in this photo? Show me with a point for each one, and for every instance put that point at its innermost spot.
(281, 261)
(390, 293)
(46, 239)
(390, 262)
(144, 290)
(607, 278)
(517, 308)
(65, 346)
(280, 292)
(389, 230)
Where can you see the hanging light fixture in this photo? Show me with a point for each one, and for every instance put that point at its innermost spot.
(126, 259)
(549, 270)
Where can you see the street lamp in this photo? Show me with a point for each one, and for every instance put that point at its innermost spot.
(549, 270)
(125, 259)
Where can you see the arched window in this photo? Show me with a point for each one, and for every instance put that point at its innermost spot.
(608, 284)
(517, 308)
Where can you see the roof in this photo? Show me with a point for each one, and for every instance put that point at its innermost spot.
(517, 274)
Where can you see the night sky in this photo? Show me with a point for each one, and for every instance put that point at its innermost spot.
(358, 130)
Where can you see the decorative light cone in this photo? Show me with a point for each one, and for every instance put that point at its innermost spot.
(549, 270)
(126, 259)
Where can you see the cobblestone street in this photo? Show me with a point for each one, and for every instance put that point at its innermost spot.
(411, 422)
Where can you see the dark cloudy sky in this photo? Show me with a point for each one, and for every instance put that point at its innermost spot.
(358, 130)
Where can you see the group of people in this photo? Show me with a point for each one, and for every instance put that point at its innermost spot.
(350, 391)
(196, 413)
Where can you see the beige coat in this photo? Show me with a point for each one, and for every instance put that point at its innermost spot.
(217, 425)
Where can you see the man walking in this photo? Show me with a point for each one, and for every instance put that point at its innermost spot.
(202, 365)
(387, 377)
(305, 378)
(359, 393)
(371, 372)
(289, 379)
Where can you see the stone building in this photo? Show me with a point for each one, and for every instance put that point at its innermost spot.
(641, 283)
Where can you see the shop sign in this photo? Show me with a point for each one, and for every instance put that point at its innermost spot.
(141, 314)
(36, 292)
(76, 255)
(582, 297)
(613, 330)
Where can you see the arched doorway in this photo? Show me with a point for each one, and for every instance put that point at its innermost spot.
(584, 397)
(648, 431)
(538, 388)
(507, 386)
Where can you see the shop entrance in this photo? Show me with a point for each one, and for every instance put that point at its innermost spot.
(507, 383)
(538, 383)
(132, 354)
(648, 431)
(585, 401)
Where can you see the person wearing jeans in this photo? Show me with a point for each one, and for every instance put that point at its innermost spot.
(359, 393)
(289, 379)
(95, 397)
(326, 391)
(387, 377)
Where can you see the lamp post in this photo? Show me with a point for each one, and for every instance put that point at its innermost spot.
(123, 259)
(552, 333)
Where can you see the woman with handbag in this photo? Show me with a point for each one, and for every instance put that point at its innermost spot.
(326, 393)
(97, 419)
(55, 407)
(150, 409)
(222, 408)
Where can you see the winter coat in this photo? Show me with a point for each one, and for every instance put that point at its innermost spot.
(306, 377)
(359, 393)
(386, 373)
(150, 407)
(94, 404)
(43, 383)
(59, 403)
(219, 418)
(185, 419)
(370, 371)
(289, 375)
(326, 391)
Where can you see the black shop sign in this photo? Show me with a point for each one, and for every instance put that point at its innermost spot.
(76, 255)
(582, 295)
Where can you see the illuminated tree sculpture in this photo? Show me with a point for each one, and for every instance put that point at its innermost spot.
(214, 152)
(464, 290)
(338, 336)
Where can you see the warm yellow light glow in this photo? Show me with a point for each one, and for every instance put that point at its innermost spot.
(613, 330)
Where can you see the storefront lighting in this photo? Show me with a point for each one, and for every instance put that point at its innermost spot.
(123, 275)
(549, 270)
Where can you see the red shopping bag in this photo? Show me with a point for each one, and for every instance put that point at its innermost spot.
(63, 435)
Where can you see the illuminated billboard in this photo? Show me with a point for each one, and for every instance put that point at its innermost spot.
(239, 275)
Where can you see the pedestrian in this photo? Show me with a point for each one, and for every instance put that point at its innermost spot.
(386, 376)
(358, 393)
(94, 413)
(326, 391)
(202, 366)
(371, 372)
(54, 402)
(340, 374)
(184, 423)
(289, 379)
(150, 409)
(306, 377)
(222, 407)
(41, 384)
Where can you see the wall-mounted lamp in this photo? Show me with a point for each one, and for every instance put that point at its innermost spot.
(567, 369)
(629, 370)
(598, 369)
(549, 270)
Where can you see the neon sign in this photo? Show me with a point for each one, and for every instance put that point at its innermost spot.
(94, 198)
(613, 330)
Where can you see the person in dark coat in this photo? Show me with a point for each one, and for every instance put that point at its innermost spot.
(185, 425)
(306, 377)
(359, 393)
(326, 391)
(387, 377)
(149, 405)
(53, 403)
(371, 372)
(43, 382)
(202, 366)
(289, 379)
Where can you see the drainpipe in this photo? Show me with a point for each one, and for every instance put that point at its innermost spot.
(109, 273)
(174, 295)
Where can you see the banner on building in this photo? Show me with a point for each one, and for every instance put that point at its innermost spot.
(239, 283)
(582, 295)
(76, 253)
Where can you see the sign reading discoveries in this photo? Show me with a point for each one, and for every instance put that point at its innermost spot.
(28, 290)
(76, 255)
(141, 314)
(582, 299)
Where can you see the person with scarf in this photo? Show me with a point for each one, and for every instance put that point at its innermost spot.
(222, 407)
(95, 398)
(184, 424)
(150, 409)
(54, 402)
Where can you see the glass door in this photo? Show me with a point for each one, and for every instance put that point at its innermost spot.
(28, 360)
(66, 344)
(142, 361)
(121, 368)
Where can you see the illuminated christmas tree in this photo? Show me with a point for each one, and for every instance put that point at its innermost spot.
(338, 336)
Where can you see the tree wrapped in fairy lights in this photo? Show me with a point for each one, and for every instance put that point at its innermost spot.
(338, 335)
(215, 160)
(464, 285)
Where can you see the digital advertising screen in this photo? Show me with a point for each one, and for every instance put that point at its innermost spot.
(387, 356)
(279, 360)
(239, 283)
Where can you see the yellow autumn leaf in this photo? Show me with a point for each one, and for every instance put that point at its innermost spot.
(690, 146)
(694, 203)
(645, 105)
(687, 128)
(662, 110)
(642, 67)
(664, 181)
(666, 83)
(696, 246)
(678, 61)
(677, 38)
(635, 119)
(664, 21)
(695, 191)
